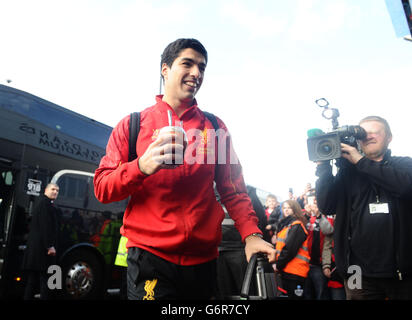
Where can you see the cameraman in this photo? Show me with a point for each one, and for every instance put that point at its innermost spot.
(371, 196)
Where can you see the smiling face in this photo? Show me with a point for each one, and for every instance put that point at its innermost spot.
(287, 209)
(377, 140)
(271, 203)
(183, 79)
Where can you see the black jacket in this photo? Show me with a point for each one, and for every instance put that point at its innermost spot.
(381, 244)
(231, 238)
(275, 217)
(42, 236)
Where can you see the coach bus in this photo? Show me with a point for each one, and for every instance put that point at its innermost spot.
(41, 142)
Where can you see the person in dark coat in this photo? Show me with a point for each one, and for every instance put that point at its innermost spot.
(232, 263)
(41, 244)
(371, 196)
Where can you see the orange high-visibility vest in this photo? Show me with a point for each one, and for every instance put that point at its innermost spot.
(299, 265)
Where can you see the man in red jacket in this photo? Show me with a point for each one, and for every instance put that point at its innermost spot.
(173, 220)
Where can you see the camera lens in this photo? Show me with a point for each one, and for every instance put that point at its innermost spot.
(325, 148)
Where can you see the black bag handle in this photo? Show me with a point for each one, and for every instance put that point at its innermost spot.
(247, 280)
(266, 280)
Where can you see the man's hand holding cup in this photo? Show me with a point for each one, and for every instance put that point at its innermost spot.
(166, 152)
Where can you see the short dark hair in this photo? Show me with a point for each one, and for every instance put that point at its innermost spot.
(173, 49)
(51, 184)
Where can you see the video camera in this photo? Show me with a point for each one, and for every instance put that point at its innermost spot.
(326, 146)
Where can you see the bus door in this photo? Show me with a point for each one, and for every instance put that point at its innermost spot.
(7, 195)
(7, 179)
(20, 186)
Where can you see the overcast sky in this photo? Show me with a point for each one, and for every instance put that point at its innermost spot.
(268, 63)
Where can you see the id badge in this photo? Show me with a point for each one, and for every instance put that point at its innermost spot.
(378, 208)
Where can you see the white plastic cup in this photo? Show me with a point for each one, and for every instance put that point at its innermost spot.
(181, 137)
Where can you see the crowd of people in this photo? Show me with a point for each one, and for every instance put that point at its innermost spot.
(309, 242)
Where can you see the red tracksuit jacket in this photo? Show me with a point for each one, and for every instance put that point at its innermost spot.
(174, 213)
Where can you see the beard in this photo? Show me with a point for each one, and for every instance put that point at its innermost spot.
(375, 153)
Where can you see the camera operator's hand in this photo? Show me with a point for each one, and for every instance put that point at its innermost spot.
(350, 153)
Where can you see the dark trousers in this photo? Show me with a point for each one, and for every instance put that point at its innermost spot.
(123, 283)
(150, 277)
(337, 293)
(36, 280)
(293, 285)
(316, 284)
(380, 289)
(231, 269)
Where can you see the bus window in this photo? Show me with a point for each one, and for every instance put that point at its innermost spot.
(7, 178)
(76, 199)
(73, 191)
(114, 207)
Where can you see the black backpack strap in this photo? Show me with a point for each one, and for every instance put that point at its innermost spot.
(134, 128)
(212, 119)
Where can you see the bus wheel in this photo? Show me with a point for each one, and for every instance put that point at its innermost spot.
(82, 276)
